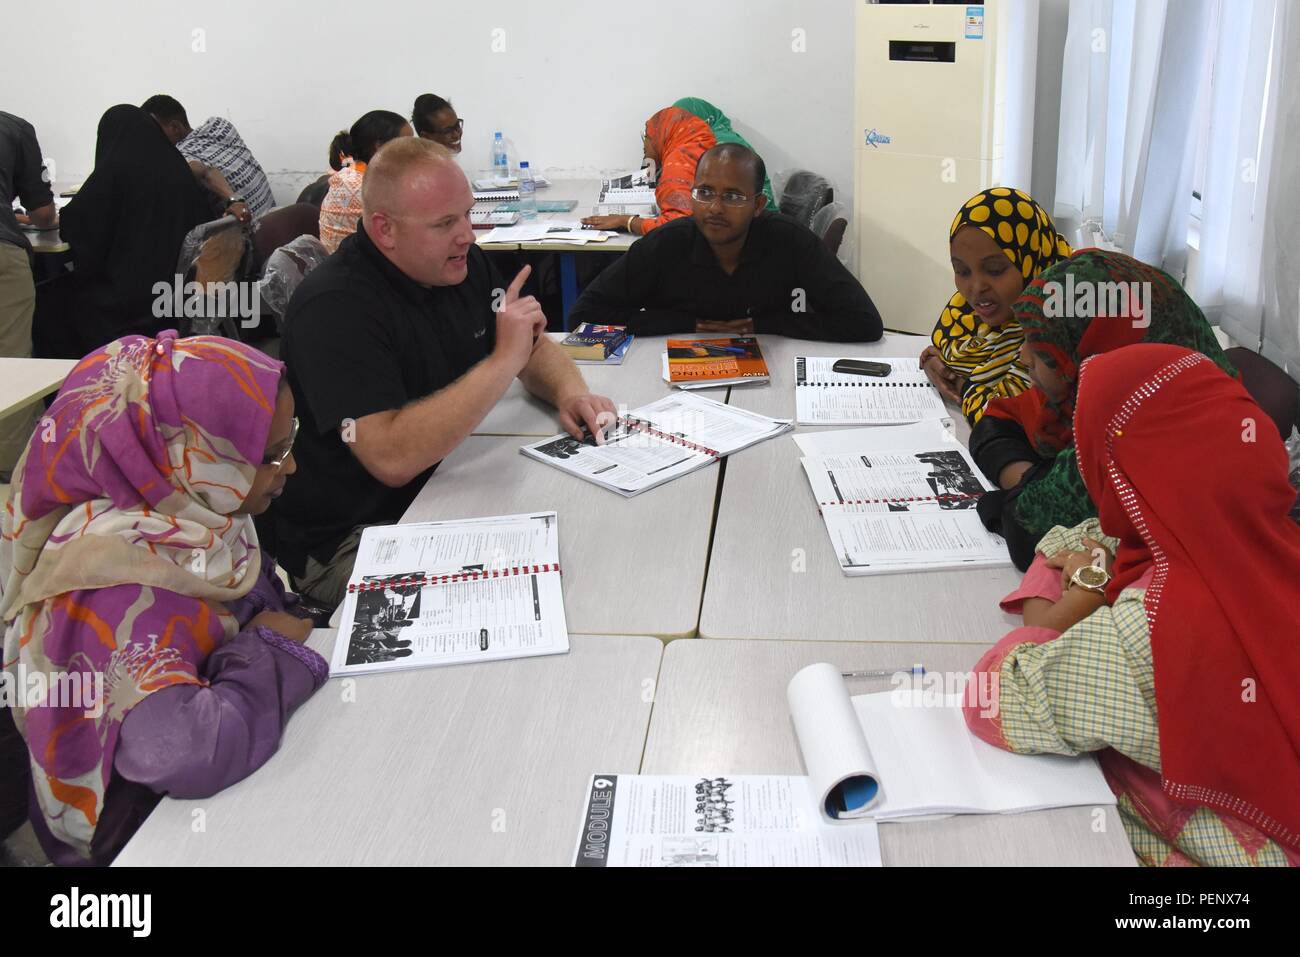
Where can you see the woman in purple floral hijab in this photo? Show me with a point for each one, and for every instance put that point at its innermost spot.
(133, 585)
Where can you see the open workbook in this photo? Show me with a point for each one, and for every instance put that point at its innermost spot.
(628, 194)
(658, 442)
(825, 397)
(890, 756)
(632, 820)
(907, 752)
(901, 498)
(442, 593)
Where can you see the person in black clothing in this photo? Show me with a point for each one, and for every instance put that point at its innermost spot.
(125, 227)
(397, 346)
(731, 267)
(23, 177)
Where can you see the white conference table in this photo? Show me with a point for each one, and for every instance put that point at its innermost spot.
(586, 192)
(469, 765)
(634, 383)
(630, 566)
(23, 380)
(720, 708)
(773, 573)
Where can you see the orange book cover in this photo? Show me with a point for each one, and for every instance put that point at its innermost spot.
(707, 360)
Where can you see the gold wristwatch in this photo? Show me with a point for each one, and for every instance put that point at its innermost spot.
(1091, 578)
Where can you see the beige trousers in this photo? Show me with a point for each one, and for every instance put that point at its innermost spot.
(17, 305)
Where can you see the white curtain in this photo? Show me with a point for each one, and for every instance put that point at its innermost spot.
(1129, 87)
(1229, 274)
(1281, 259)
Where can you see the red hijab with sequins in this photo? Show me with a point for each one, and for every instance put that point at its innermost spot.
(1191, 476)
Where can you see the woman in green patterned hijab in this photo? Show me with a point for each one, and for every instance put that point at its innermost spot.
(722, 131)
(1094, 302)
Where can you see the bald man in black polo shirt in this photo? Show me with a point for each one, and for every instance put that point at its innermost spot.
(397, 346)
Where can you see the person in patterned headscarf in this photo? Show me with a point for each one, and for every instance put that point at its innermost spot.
(1145, 626)
(674, 139)
(131, 570)
(1000, 240)
(1025, 444)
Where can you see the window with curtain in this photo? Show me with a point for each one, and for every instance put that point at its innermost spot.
(1181, 117)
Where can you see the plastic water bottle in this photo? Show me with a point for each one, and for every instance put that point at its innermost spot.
(527, 193)
(500, 162)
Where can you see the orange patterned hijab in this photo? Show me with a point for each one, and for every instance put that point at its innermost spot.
(680, 139)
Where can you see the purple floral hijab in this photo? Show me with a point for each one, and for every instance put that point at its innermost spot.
(120, 548)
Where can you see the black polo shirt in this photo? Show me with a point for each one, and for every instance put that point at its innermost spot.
(788, 282)
(361, 337)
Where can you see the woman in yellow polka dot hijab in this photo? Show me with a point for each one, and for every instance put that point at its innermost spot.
(1000, 241)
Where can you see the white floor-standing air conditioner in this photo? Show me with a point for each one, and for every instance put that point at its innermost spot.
(944, 108)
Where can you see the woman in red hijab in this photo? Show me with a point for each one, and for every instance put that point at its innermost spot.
(1168, 642)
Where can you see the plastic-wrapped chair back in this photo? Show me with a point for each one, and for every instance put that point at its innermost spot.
(805, 192)
(830, 223)
(779, 179)
(213, 252)
(285, 269)
(217, 252)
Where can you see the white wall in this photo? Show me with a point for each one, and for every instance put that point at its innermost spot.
(572, 88)
(1053, 16)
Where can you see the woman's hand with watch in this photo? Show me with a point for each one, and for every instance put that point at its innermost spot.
(1087, 568)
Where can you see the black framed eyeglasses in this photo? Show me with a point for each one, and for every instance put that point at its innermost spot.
(277, 461)
(705, 195)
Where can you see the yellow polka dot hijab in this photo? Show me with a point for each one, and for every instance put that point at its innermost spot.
(987, 357)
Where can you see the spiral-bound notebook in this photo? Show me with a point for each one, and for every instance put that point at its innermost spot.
(658, 442)
(900, 499)
(826, 397)
(504, 194)
(443, 593)
(489, 219)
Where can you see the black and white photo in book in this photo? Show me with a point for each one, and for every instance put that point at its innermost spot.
(388, 604)
(900, 498)
(713, 808)
(452, 592)
(955, 485)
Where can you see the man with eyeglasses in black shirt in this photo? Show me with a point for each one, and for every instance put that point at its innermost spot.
(731, 268)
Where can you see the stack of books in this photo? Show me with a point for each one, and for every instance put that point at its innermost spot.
(594, 343)
(706, 363)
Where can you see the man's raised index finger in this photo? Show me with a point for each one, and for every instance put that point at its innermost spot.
(512, 293)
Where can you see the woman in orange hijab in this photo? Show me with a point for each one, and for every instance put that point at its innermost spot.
(674, 140)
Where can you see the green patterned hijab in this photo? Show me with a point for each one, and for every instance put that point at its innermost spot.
(722, 132)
